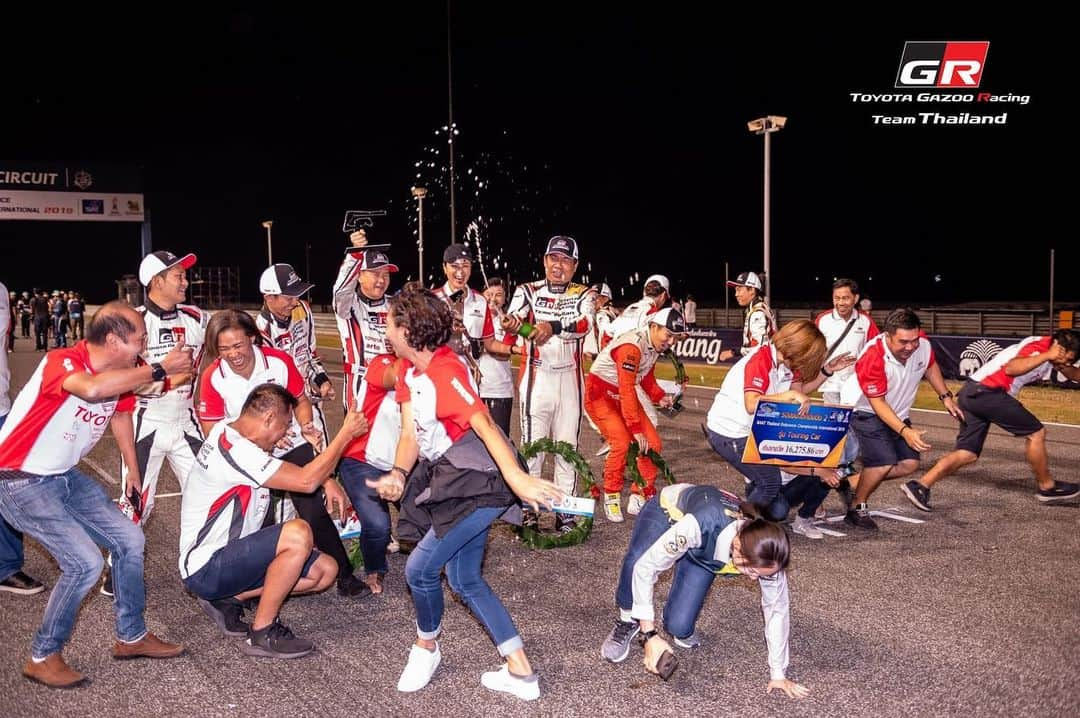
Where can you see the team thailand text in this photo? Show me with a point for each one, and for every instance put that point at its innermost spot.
(933, 118)
(938, 97)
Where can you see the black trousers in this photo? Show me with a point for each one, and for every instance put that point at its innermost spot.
(311, 508)
(500, 411)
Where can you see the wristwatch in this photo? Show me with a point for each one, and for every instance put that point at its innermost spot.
(159, 372)
(946, 395)
(644, 636)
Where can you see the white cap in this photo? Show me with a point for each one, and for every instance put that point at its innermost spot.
(669, 318)
(746, 279)
(603, 290)
(157, 262)
(660, 279)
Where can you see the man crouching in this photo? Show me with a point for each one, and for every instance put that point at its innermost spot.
(226, 557)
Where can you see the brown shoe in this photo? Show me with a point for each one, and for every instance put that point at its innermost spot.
(149, 647)
(53, 672)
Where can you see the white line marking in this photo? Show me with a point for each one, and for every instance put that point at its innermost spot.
(167, 496)
(830, 532)
(896, 517)
(101, 472)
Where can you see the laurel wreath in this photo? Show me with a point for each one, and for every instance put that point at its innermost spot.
(680, 378)
(635, 474)
(535, 539)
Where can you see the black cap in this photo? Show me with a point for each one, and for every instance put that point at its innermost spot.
(282, 279)
(669, 318)
(566, 246)
(456, 252)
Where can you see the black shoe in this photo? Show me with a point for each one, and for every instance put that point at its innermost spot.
(106, 584)
(565, 524)
(276, 641)
(1060, 491)
(228, 615)
(917, 494)
(21, 584)
(353, 587)
(529, 519)
(859, 517)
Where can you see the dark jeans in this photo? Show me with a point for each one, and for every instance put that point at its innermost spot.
(810, 491)
(689, 586)
(500, 411)
(374, 513)
(311, 508)
(11, 544)
(41, 333)
(764, 479)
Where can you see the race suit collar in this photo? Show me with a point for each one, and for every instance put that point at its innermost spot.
(159, 312)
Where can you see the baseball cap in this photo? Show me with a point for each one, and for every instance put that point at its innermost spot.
(604, 290)
(456, 252)
(566, 246)
(746, 279)
(157, 262)
(670, 319)
(375, 259)
(659, 279)
(282, 279)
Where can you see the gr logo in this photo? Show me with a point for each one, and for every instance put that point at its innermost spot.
(942, 64)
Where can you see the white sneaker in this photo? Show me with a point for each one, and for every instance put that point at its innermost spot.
(420, 668)
(613, 508)
(821, 513)
(806, 527)
(634, 504)
(603, 449)
(527, 689)
(393, 546)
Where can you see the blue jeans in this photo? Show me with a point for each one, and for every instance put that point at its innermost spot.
(461, 551)
(11, 544)
(851, 447)
(689, 586)
(70, 515)
(764, 479)
(374, 513)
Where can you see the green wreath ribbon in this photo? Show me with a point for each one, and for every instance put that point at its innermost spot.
(635, 474)
(680, 378)
(536, 539)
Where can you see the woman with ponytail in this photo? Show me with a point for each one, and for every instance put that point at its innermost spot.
(701, 532)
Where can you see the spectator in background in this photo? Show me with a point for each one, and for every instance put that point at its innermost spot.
(759, 324)
(690, 312)
(40, 308)
(58, 308)
(76, 310)
(497, 386)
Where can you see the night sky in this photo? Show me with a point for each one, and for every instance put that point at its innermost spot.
(626, 131)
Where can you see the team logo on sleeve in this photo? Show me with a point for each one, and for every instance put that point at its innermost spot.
(757, 382)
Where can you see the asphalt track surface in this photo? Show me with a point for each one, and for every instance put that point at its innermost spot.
(973, 612)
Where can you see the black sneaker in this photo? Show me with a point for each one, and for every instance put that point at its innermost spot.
(106, 584)
(1060, 491)
(859, 517)
(353, 587)
(917, 494)
(565, 524)
(529, 519)
(227, 614)
(276, 641)
(21, 584)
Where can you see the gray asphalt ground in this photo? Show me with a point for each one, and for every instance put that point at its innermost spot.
(973, 612)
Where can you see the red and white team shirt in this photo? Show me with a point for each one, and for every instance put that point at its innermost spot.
(383, 413)
(624, 364)
(223, 392)
(992, 373)
(224, 499)
(475, 314)
(878, 374)
(443, 399)
(573, 307)
(760, 372)
(49, 430)
(832, 325)
(163, 402)
(633, 317)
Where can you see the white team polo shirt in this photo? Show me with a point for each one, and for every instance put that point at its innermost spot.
(475, 312)
(879, 374)
(443, 399)
(832, 325)
(378, 445)
(758, 372)
(50, 430)
(223, 392)
(224, 499)
(992, 373)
